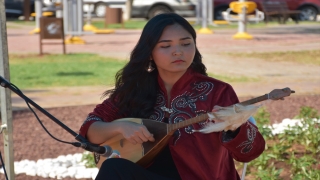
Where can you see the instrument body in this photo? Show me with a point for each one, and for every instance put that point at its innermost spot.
(140, 153)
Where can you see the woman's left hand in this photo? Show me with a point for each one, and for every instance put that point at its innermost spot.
(230, 126)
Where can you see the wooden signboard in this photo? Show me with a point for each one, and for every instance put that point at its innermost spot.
(51, 28)
(113, 16)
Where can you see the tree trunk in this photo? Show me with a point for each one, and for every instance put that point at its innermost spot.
(26, 10)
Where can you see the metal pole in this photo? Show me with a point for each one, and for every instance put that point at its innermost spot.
(242, 17)
(74, 16)
(5, 96)
(38, 8)
(243, 175)
(74, 22)
(204, 14)
(211, 11)
(242, 34)
(91, 6)
(80, 16)
(204, 29)
(198, 12)
(59, 10)
(65, 16)
(128, 10)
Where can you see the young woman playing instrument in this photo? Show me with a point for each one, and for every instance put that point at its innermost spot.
(166, 81)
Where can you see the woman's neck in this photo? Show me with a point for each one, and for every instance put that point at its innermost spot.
(169, 79)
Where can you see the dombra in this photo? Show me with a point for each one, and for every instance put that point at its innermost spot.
(144, 153)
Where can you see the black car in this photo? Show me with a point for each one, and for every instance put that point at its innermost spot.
(14, 8)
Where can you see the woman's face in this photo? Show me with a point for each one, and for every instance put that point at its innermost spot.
(174, 51)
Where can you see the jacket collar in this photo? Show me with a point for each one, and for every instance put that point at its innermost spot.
(183, 82)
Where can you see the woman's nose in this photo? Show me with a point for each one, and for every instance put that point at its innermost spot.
(177, 52)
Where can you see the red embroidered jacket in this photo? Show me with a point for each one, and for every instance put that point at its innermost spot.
(196, 155)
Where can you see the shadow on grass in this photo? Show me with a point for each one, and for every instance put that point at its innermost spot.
(292, 29)
(75, 73)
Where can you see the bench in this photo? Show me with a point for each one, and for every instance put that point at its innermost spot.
(280, 10)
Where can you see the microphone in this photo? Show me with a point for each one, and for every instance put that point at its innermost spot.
(105, 151)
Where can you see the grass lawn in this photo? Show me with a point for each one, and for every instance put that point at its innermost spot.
(16, 24)
(34, 71)
(304, 57)
(232, 79)
(132, 24)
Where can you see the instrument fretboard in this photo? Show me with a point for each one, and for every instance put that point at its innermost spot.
(188, 122)
(255, 100)
(203, 117)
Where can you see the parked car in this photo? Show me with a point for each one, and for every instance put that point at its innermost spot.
(145, 8)
(14, 8)
(309, 8)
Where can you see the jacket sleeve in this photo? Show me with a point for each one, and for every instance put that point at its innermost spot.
(246, 143)
(105, 112)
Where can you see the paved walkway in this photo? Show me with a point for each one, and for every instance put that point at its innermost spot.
(304, 79)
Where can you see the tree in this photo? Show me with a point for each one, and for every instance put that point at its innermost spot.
(26, 10)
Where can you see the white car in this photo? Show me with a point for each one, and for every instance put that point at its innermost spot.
(143, 8)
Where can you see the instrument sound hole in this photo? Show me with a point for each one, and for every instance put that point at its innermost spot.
(121, 142)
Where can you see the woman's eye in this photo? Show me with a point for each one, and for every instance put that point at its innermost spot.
(187, 44)
(165, 46)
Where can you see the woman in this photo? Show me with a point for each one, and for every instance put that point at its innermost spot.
(165, 80)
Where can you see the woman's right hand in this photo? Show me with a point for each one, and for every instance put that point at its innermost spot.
(135, 133)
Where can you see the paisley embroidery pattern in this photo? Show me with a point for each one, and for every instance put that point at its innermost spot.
(158, 114)
(251, 135)
(163, 108)
(199, 92)
(91, 118)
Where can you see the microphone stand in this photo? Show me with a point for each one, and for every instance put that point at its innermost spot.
(83, 143)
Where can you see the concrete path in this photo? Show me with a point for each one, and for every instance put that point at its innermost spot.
(304, 79)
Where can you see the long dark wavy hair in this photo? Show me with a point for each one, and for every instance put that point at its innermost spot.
(135, 91)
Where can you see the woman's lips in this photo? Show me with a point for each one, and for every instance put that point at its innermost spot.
(178, 61)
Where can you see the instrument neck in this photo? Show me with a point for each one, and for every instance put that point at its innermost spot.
(255, 100)
(188, 122)
(203, 117)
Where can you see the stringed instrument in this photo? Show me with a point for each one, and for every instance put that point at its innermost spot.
(144, 153)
